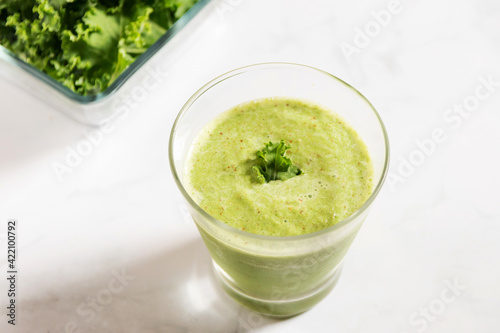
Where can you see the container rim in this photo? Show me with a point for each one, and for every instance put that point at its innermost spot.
(220, 224)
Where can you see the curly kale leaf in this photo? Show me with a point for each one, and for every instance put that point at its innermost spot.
(85, 44)
(272, 164)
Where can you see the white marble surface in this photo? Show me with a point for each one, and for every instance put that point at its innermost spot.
(120, 210)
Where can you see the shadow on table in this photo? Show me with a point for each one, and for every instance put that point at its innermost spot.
(172, 292)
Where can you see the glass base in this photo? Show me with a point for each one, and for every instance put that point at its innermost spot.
(277, 308)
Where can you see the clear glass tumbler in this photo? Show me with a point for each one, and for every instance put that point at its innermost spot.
(277, 276)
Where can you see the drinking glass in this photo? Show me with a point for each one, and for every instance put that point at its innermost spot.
(277, 276)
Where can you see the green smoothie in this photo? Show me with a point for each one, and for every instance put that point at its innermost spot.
(336, 176)
(335, 179)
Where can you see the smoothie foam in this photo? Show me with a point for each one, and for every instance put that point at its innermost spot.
(336, 169)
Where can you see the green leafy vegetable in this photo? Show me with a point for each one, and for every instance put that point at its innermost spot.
(273, 164)
(85, 44)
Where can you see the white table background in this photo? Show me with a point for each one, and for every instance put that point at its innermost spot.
(119, 211)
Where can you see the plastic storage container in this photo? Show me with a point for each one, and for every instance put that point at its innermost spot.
(96, 109)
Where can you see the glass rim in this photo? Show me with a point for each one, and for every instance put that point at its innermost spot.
(9, 57)
(221, 224)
